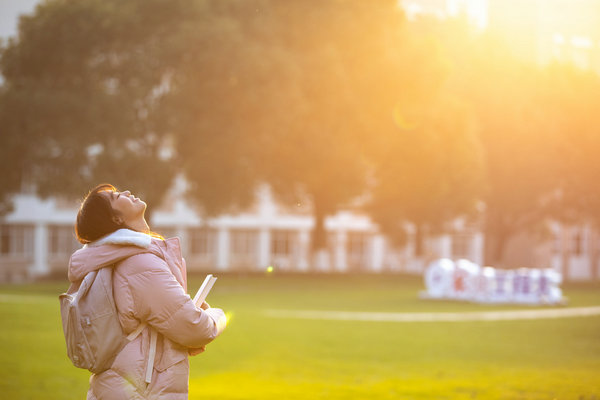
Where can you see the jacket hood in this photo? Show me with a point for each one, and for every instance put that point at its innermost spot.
(107, 250)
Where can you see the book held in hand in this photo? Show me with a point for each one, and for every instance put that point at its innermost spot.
(200, 296)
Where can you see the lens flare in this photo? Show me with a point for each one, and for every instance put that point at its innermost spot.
(401, 120)
(228, 316)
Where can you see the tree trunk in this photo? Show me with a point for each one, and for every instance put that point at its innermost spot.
(565, 251)
(499, 247)
(496, 237)
(419, 238)
(595, 265)
(593, 254)
(320, 256)
(319, 236)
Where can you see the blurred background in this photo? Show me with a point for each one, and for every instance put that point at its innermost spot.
(315, 155)
(307, 135)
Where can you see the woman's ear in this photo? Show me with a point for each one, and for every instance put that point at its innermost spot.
(117, 219)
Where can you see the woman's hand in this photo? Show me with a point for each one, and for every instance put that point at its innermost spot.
(196, 351)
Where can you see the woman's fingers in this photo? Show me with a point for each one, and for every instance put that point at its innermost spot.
(196, 351)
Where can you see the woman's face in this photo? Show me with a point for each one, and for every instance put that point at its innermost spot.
(128, 207)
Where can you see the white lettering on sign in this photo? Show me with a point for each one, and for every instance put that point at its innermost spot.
(465, 280)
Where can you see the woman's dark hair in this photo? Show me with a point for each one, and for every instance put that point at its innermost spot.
(95, 217)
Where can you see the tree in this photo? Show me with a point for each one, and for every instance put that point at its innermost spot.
(572, 97)
(428, 161)
(517, 132)
(220, 103)
(304, 96)
(509, 103)
(293, 93)
(82, 83)
(351, 63)
(429, 171)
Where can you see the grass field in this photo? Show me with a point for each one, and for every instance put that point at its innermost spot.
(259, 357)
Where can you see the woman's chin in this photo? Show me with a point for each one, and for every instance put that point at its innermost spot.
(142, 205)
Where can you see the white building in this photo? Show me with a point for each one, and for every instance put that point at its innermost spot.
(37, 239)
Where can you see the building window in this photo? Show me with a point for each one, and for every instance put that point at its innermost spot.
(577, 243)
(16, 240)
(357, 248)
(5, 240)
(62, 240)
(284, 248)
(557, 242)
(282, 242)
(332, 242)
(202, 241)
(461, 245)
(243, 242)
(244, 248)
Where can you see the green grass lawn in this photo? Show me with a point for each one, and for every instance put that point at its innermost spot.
(267, 358)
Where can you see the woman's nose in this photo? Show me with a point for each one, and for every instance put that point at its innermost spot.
(126, 193)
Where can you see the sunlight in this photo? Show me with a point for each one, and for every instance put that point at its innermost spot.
(541, 32)
(401, 120)
(547, 31)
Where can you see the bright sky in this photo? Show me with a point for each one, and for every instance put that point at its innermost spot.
(476, 10)
(9, 15)
(576, 25)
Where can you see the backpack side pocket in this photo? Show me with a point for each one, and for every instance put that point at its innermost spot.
(78, 348)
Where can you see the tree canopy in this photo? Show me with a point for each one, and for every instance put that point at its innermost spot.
(231, 93)
(82, 83)
(327, 101)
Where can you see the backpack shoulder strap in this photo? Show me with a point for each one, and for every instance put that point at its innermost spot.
(153, 333)
(137, 331)
(151, 352)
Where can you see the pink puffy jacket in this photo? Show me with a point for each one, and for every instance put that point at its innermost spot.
(152, 289)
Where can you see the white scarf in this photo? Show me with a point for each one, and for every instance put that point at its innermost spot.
(124, 237)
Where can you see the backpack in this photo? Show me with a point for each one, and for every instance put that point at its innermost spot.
(91, 326)
(93, 332)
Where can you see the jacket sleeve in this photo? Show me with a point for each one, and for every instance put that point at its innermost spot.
(160, 300)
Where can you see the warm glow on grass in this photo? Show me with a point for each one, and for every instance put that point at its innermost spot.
(268, 358)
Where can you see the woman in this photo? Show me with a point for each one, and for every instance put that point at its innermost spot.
(149, 286)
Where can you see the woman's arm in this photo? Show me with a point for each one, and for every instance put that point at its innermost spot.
(159, 299)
